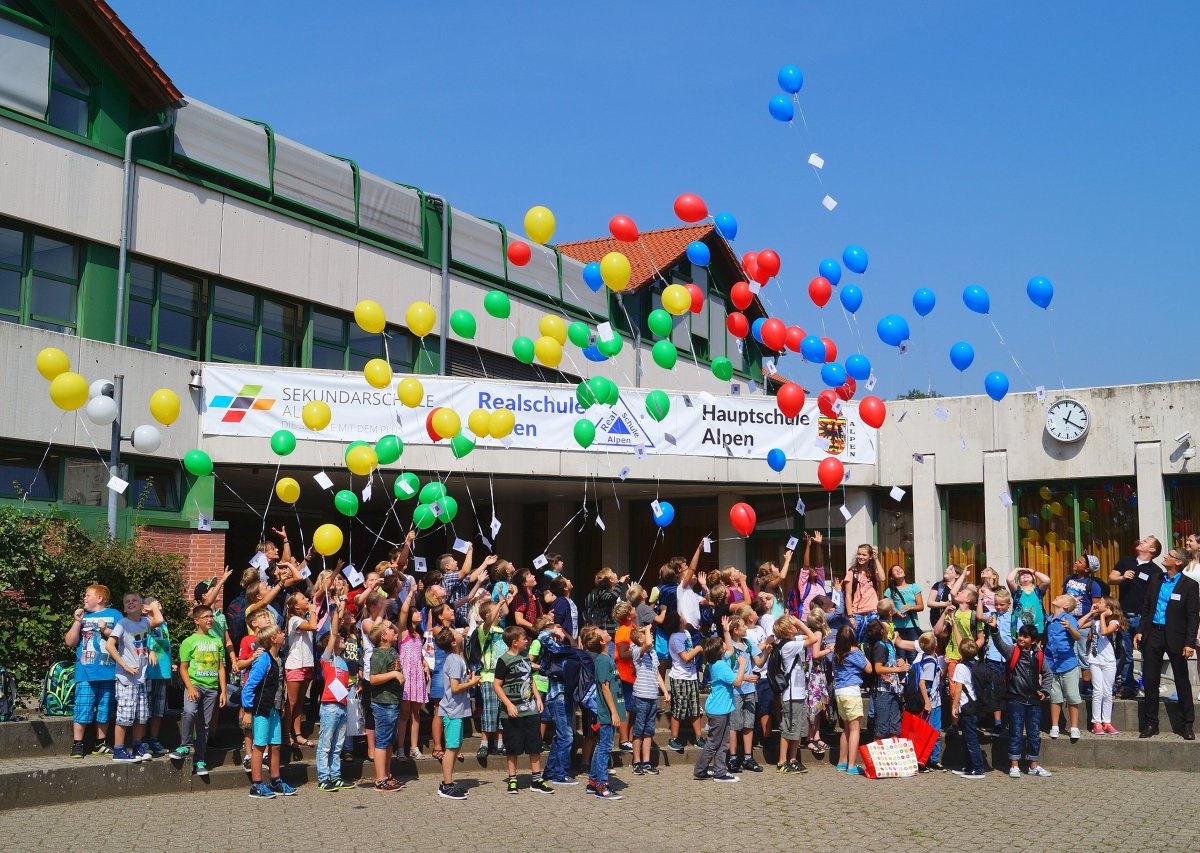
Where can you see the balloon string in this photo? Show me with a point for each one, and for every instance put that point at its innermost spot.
(650, 556)
(474, 509)
(570, 521)
(1054, 344)
(300, 526)
(46, 455)
(1011, 354)
(262, 533)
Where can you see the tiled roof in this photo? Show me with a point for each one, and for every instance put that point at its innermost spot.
(148, 83)
(654, 250)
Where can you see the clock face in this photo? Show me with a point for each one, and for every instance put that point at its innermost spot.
(1067, 420)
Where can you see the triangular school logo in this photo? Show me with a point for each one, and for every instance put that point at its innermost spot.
(619, 428)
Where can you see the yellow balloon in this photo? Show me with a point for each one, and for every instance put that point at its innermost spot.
(548, 351)
(539, 224)
(501, 423)
(1032, 535)
(554, 327)
(419, 317)
(362, 460)
(676, 299)
(1023, 523)
(1044, 491)
(1051, 537)
(410, 392)
(288, 490)
(1084, 515)
(378, 373)
(69, 391)
(446, 423)
(370, 317)
(1056, 508)
(478, 422)
(316, 415)
(164, 406)
(52, 361)
(615, 270)
(327, 539)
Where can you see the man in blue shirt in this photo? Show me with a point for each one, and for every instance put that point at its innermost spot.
(1169, 623)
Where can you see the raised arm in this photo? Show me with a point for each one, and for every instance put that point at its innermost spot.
(1011, 580)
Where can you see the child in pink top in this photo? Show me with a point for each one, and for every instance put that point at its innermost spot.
(416, 673)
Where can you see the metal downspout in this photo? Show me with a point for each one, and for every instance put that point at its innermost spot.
(444, 312)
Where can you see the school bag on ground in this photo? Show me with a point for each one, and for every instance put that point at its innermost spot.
(10, 701)
(58, 690)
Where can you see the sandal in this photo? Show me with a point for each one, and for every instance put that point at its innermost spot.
(817, 748)
(438, 753)
(302, 741)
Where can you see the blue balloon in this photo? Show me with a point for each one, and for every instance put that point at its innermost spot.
(1034, 520)
(830, 270)
(851, 298)
(790, 79)
(833, 374)
(782, 108)
(698, 254)
(1040, 291)
(776, 459)
(812, 349)
(592, 277)
(855, 259)
(996, 385)
(858, 366)
(923, 301)
(726, 225)
(593, 354)
(977, 299)
(756, 328)
(961, 355)
(893, 330)
(666, 514)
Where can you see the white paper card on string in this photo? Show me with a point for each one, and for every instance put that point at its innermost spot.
(656, 508)
(419, 564)
(793, 543)
(604, 332)
(800, 507)
(903, 348)
(624, 472)
(918, 458)
(739, 344)
(366, 493)
(436, 508)
(706, 544)
(736, 389)
(837, 406)
(687, 401)
(941, 414)
(116, 484)
(755, 287)
(507, 441)
(323, 480)
(751, 387)
(1005, 500)
(769, 365)
(706, 397)
(461, 545)
(405, 488)
(337, 690)
(845, 512)
(353, 576)
(495, 527)
(962, 443)
(203, 522)
(260, 562)
(387, 573)
(639, 453)
(600, 523)
(487, 542)
(670, 439)
(871, 382)
(829, 202)
(540, 560)
(897, 493)
(305, 572)
(816, 161)
(1041, 392)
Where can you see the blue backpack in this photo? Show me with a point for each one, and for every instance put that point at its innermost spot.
(58, 690)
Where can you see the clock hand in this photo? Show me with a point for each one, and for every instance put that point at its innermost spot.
(1067, 419)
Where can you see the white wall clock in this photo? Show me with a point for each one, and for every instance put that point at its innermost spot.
(1067, 420)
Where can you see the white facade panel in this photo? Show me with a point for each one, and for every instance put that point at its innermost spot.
(333, 266)
(394, 283)
(176, 221)
(541, 273)
(266, 249)
(575, 292)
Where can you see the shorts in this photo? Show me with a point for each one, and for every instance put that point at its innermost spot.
(300, 673)
(489, 704)
(765, 694)
(452, 730)
(645, 711)
(661, 649)
(850, 706)
(268, 730)
(93, 702)
(386, 717)
(522, 735)
(156, 696)
(132, 705)
(793, 720)
(627, 693)
(1064, 687)
(364, 701)
(685, 698)
(745, 707)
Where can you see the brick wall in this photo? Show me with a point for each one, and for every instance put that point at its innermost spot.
(203, 551)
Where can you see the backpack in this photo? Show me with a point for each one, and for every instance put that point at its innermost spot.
(10, 701)
(585, 694)
(913, 700)
(597, 607)
(988, 687)
(473, 651)
(779, 678)
(58, 690)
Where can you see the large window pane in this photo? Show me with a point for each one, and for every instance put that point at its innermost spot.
(230, 340)
(233, 303)
(139, 327)
(278, 351)
(10, 290)
(68, 112)
(328, 327)
(153, 491)
(66, 75)
(178, 330)
(55, 257)
(328, 358)
(279, 317)
(180, 292)
(1184, 493)
(141, 281)
(19, 474)
(1108, 524)
(400, 350)
(12, 247)
(55, 299)
(85, 482)
(965, 530)
(896, 532)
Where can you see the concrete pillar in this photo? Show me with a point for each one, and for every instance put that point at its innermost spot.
(927, 523)
(731, 550)
(614, 547)
(1151, 492)
(997, 518)
(860, 528)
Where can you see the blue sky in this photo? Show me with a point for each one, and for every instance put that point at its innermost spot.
(966, 143)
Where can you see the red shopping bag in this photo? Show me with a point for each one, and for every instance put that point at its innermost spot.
(923, 735)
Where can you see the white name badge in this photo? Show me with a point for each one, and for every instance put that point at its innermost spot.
(1175, 596)
(1143, 576)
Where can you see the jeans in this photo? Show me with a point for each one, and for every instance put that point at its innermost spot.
(194, 722)
(558, 762)
(970, 731)
(1125, 665)
(935, 720)
(333, 729)
(861, 621)
(1024, 726)
(887, 714)
(908, 634)
(598, 772)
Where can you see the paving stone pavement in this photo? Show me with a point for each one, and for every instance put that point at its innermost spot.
(1073, 811)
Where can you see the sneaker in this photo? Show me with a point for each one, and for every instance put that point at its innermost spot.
(387, 785)
(1054, 732)
(200, 768)
(639, 770)
(499, 750)
(541, 786)
(1098, 729)
(793, 768)
(259, 791)
(627, 746)
(101, 748)
(700, 743)
(734, 765)
(1014, 772)
(142, 752)
(649, 769)
(566, 780)
(752, 766)
(961, 772)
(997, 727)
(282, 788)
(1040, 771)
(246, 763)
(1074, 735)
(123, 755)
(841, 767)
(180, 753)
(77, 750)
(329, 786)
(482, 752)
(157, 749)
(725, 777)
(512, 784)
(974, 774)
(1110, 730)
(452, 792)
(701, 777)
(343, 785)
(603, 792)
(675, 744)
(938, 766)
(855, 771)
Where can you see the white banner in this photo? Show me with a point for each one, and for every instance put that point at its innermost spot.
(253, 401)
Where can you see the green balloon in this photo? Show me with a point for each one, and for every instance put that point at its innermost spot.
(1089, 504)
(423, 517)
(449, 510)
(388, 449)
(585, 433)
(460, 445)
(659, 322)
(283, 442)
(608, 392)
(353, 445)
(658, 404)
(665, 355)
(346, 502)
(585, 394)
(198, 463)
(579, 334)
(463, 324)
(406, 486)
(1068, 499)
(522, 348)
(610, 347)
(1046, 512)
(722, 368)
(967, 544)
(433, 491)
(496, 303)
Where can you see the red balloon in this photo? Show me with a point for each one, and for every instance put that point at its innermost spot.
(830, 350)
(846, 389)
(519, 253)
(751, 268)
(768, 263)
(819, 291)
(827, 402)
(623, 228)
(872, 411)
(790, 399)
(737, 324)
(759, 274)
(740, 296)
(793, 338)
(429, 424)
(773, 333)
(690, 208)
(749, 258)
(831, 472)
(742, 517)
(697, 297)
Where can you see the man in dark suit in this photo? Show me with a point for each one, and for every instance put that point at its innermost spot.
(1170, 620)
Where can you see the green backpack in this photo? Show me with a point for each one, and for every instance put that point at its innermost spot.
(58, 690)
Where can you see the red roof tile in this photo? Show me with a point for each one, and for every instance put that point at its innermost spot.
(148, 83)
(654, 251)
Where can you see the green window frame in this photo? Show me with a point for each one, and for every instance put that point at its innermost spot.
(337, 343)
(39, 279)
(72, 95)
(165, 310)
(248, 327)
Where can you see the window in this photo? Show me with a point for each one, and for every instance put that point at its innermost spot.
(153, 489)
(895, 532)
(339, 344)
(777, 521)
(39, 280)
(965, 528)
(252, 328)
(165, 311)
(1184, 495)
(20, 473)
(70, 97)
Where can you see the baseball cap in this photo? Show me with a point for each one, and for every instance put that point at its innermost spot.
(203, 587)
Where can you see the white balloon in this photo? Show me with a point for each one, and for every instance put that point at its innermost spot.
(146, 439)
(101, 411)
(99, 387)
